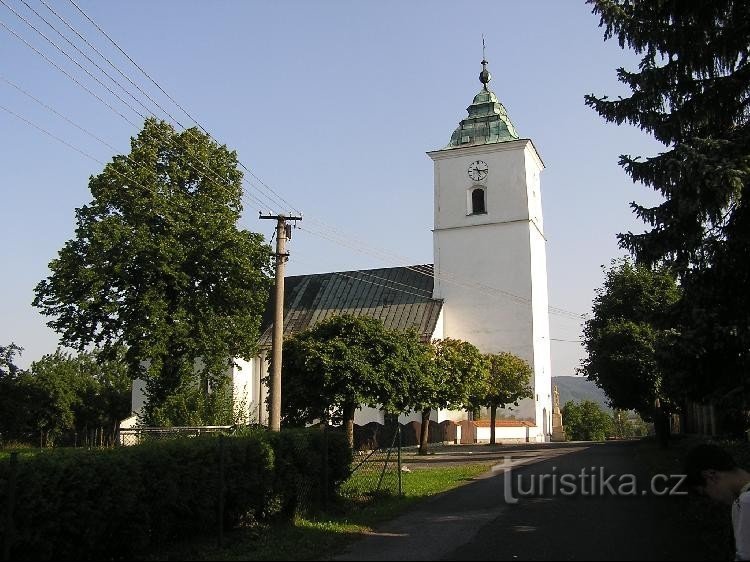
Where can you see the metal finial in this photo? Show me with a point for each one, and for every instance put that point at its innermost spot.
(484, 76)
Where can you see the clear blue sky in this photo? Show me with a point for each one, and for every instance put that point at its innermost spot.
(333, 105)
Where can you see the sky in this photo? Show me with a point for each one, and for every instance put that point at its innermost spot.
(332, 106)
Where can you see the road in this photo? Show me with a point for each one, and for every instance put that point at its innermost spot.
(476, 522)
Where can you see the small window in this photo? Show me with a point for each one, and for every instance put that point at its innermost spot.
(478, 203)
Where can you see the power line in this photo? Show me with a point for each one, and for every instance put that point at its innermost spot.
(332, 234)
(65, 72)
(78, 64)
(88, 58)
(259, 201)
(270, 190)
(53, 110)
(451, 278)
(98, 52)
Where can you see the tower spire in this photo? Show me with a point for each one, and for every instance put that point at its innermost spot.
(484, 76)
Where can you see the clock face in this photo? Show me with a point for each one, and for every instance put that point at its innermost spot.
(478, 170)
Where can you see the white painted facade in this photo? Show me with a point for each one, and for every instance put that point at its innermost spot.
(249, 394)
(490, 268)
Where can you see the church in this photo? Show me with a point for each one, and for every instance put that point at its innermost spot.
(487, 285)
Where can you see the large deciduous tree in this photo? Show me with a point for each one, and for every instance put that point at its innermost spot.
(346, 362)
(691, 91)
(158, 264)
(507, 381)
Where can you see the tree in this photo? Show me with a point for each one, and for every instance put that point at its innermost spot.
(453, 374)
(62, 395)
(628, 336)
(76, 395)
(507, 381)
(628, 424)
(585, 421)
(13, 401)
(345, 362)
(7, 358)
(159, 266)
(691, 92)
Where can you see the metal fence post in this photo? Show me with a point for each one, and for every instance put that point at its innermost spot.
(400, 489)
(221, 492)
(10, 529)
(324, 468)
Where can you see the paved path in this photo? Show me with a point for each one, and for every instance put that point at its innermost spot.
(474, 522)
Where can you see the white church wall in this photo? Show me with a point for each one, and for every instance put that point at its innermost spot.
(242, 389)
(247, 390)
(505, 434)
(542, 353)
(260, 391)
(452, 415)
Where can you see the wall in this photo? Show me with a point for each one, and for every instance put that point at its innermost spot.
(503, 251)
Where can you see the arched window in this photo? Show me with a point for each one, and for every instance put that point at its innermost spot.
(478, 203)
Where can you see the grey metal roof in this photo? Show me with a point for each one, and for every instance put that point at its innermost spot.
(400, 297)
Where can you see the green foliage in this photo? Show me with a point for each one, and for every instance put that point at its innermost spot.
(158, 265)
(190, 405)
(345, 362)
(115, 504)
(585, 421)
(62, 394)
(627, 425)
(7, 358)
(628, 337)
(455, 373)
(13, 400)
(690, 92)
(507, 381)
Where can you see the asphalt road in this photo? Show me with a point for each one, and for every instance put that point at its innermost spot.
(478, 522)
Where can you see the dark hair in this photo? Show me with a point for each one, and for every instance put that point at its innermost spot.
(706, 457)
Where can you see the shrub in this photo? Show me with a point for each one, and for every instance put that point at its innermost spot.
(116, 503)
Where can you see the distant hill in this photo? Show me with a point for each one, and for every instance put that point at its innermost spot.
(579, 388)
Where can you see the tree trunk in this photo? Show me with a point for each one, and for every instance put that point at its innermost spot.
(348, 415)
(424, 433)
(493, 417)
(661, 427)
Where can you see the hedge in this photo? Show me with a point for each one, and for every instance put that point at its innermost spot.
(117, 503)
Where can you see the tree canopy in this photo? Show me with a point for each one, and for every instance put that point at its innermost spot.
(691, 92)
(64, 398)
(624, 338)
(507, 381)
(454, 373)
(159, 266)
(586, 421)
(346, 362)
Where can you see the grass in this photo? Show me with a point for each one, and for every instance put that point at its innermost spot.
(314, 537)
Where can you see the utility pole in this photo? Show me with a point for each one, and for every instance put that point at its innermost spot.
(283, 232)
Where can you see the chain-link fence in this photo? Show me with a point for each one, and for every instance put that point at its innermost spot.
(375, 473)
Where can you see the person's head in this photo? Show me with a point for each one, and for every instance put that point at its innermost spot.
(712, 472)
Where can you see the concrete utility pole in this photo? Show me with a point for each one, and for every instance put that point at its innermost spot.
(283, 231)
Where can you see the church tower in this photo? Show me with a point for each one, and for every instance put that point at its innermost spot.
(489, 245)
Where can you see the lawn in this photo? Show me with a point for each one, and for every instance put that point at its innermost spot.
(313, 537)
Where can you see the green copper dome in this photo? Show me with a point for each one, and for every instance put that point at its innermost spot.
(487, 123)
